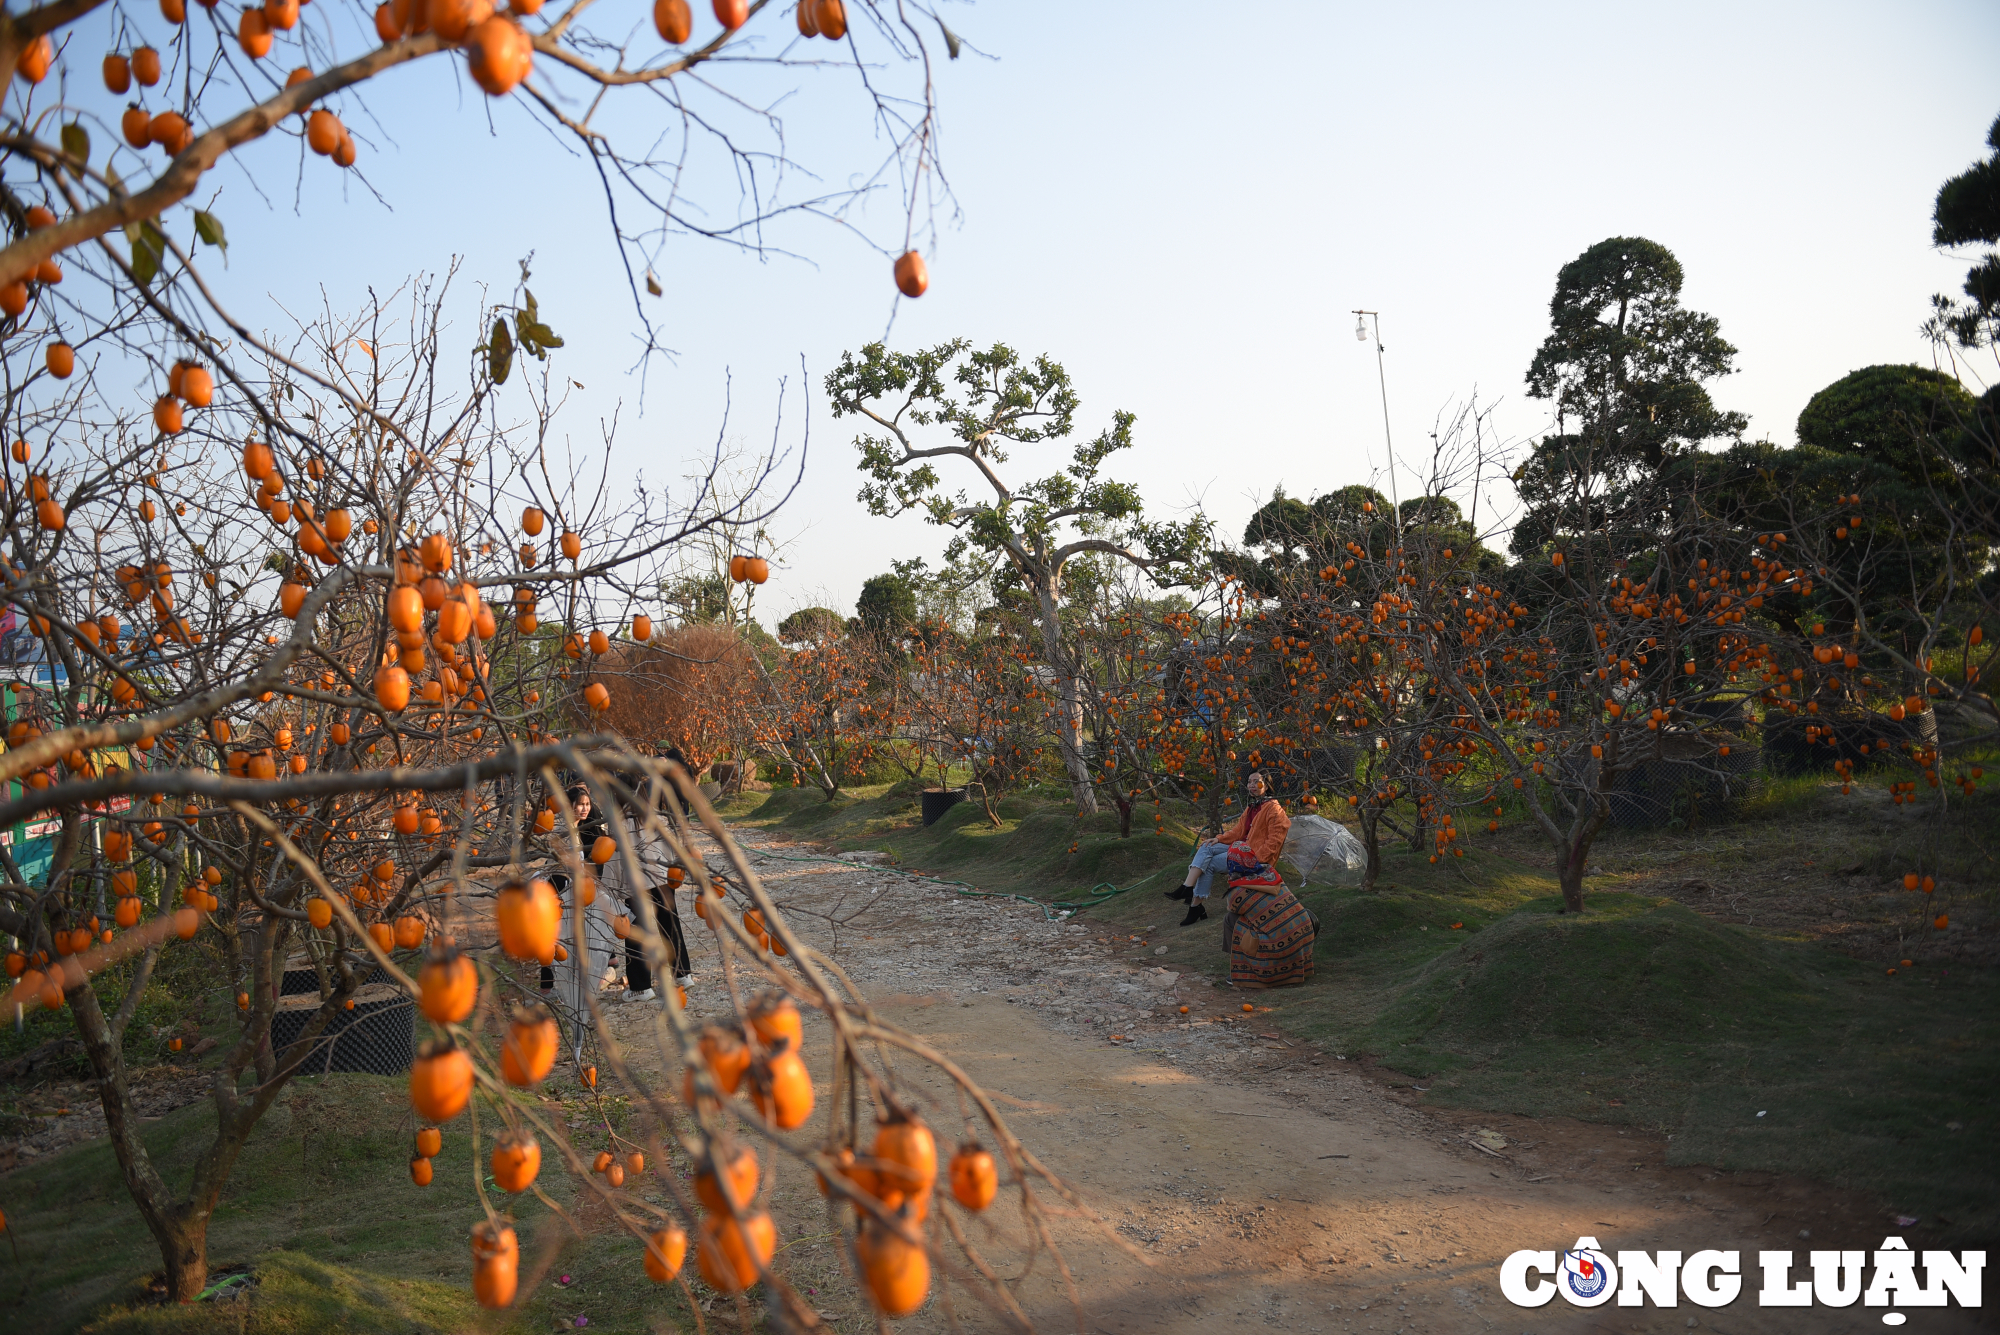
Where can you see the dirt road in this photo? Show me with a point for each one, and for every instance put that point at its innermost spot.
(1266, 1184)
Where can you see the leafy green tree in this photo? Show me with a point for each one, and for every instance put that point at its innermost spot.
(1889, 434)
(810, 623)
(1283, 523)
(1625, 366)
(888, 605)
(1440, 512)
(697, 599)
(1967, 213)
(1891, 494)
(951, 402)
(1347, 510)
(1885, 415)
(1298, 537)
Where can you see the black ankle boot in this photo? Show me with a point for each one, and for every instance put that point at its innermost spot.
(1185, 894)
(1197, 912)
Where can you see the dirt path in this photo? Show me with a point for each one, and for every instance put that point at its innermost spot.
(1266, 1183)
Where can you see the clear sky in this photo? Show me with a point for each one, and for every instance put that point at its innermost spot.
(1182, 202)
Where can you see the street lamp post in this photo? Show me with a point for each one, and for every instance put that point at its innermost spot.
(1361, 319)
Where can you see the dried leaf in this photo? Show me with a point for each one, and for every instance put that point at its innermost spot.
(539, 338)
(653, 284)
(499, 353)
(950, 39)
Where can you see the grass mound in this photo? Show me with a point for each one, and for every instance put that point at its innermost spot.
(1750, 1051)
(1643, 1012)
(296, 1294)
(1630, 970)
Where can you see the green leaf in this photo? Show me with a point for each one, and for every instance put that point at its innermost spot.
(209, 228)
(149, 251)
(76, 143)
(145, 257)
(499, 353)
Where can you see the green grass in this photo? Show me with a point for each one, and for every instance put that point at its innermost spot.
(1040, 848)
(1638, 1012)
(322, 1205)
(173, 1003)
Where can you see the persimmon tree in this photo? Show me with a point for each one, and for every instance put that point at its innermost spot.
(1899, 527)
(954, 403)
(1625, 644)
(1166, 692)
(300, 638)
(294, 634)
(1901, 599)
(114, 122)
(693, 687)
(814, 708)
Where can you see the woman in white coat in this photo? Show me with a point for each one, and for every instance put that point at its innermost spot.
(655, 861)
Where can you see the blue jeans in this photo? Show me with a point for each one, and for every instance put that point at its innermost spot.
(1211, 860)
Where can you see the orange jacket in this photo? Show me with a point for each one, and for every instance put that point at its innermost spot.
(1265, 834)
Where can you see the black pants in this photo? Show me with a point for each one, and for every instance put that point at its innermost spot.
(638, 973)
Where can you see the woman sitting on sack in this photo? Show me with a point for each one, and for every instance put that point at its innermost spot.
(658, 877)
(1251, 844)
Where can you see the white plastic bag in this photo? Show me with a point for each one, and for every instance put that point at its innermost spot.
(1314, 842)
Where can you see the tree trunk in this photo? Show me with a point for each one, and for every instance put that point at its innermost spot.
(184, 1248)
(1569, 874)
(1573, 853)
(986, 799)
(182, 1233)
(1371, 841)
(1069, 736)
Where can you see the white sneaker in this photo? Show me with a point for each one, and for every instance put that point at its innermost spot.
(648, 995)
